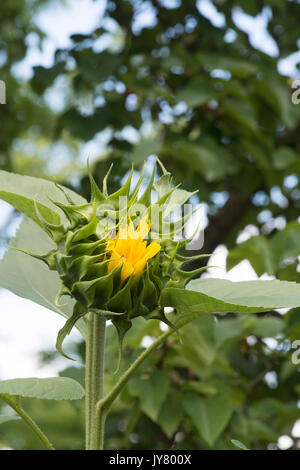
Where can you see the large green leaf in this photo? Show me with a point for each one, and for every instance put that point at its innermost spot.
(23, 192)
(53, 388)
(22, 274)
(220, 295)
(30, 278)
(209, 415)
(36, 188)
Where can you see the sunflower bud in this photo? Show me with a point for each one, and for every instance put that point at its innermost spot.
(119, 252)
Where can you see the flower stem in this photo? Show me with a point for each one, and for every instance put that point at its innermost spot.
(15, 404)
(95, 352)
(104, 404)
(88, 376)
(35, 428)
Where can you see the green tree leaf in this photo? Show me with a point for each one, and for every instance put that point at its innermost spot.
(267, 254)
(171, 413)
(258, 252)
(151, 392)
(198, 92)
(210, 415)
(53, 388)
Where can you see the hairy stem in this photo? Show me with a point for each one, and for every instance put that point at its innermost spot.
(35, 428)
(104, 404)
(95, 352)
(88, 376)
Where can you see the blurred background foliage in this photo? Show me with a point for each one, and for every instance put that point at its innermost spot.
(160, 78)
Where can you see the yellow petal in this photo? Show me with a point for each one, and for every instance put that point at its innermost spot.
(140, 266)
(131, 231)
(122, 247)
(123, 233)
(129, 251)
(116, 260)
(143, 228)
(110, 245)
(137, 251)
(127, 270)
(151, 251)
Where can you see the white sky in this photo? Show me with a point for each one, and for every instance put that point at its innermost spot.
(27, 328)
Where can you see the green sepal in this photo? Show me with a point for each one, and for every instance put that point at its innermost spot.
(95, 292)
(159, 314)
(122, 325)
(106, 313)
(78, 312)
(67, 196)
(87, 248)
(49, 259)
(55, 231)
(86, 230)
(123, 191)
(79, 267)
(77, 215)
(145, 199)
(96, 194)
(188, 259)
(139, 309)
(180, 278)
(134, 195)
(150, 294)
(105, 180)
(122, 300)
(156, 272)
(97, 270)
(170, 259)
(63, 290)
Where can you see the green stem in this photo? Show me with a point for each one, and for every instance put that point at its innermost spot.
(35, 428)
(88, 376)
(95, 353)
(104, 404)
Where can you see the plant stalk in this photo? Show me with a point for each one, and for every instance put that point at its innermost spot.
(94, 381)
(35, 428)
(15, 404)
(104, 404)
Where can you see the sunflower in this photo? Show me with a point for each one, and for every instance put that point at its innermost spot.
(129, 251)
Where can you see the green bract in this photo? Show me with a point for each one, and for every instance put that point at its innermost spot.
(81, 257)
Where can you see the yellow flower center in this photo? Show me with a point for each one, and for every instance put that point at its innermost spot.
(130, 251)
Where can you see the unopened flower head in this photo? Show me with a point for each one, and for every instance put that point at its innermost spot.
(118, 252)
(129, 251)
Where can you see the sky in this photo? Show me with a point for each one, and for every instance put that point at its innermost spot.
(28, 328)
